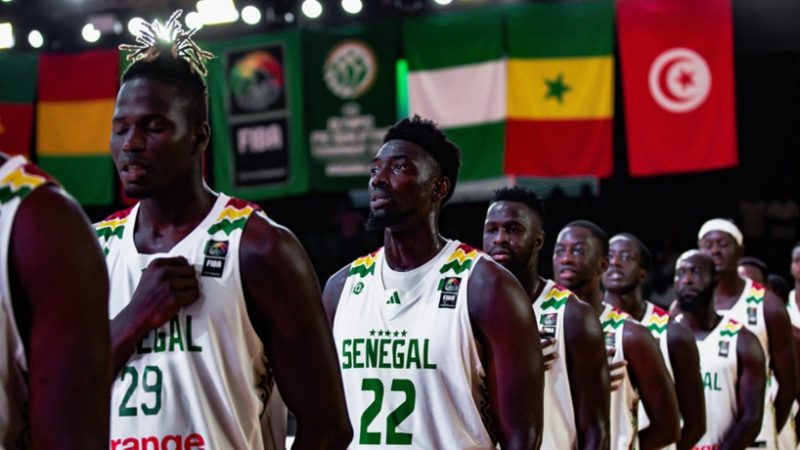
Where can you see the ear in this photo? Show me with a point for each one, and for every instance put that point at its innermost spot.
(201, 136)
(642, 276)
(604, 263)
(538, 242)
(441, 186)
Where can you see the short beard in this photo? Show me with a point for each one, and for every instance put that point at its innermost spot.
(698, 303)
(381, 222)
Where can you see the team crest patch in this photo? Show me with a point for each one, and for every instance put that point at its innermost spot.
(752, 315)
(214, 264)
(724, 348)
(450, 287)
(548, 325)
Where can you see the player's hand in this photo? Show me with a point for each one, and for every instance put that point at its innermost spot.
(616, 370)
(166, 286)
(549, 353)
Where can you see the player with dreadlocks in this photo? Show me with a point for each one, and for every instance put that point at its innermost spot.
(209, 297)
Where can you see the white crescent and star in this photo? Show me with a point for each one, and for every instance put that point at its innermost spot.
(679, 80)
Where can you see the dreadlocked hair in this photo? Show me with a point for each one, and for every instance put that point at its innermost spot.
(168, 54)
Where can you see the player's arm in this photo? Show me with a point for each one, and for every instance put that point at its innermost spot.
(284, 305)
(505, 326)
(685, 361)
(750, 391)
(649, 375)
(782, 356)
(332, 293)
(587, 370)
(57, 270)
(166, 286)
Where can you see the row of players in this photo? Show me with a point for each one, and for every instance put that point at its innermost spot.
(428, 343)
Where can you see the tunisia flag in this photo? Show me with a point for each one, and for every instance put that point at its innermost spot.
(677, 74)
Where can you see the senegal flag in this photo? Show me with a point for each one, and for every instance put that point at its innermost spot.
(76, 104)
(560, 89)
(457, 78)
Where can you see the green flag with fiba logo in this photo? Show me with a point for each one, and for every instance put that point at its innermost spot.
(350, 100)
(256, 106)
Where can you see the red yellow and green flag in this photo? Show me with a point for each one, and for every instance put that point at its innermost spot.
(76, 103)
(560, 99)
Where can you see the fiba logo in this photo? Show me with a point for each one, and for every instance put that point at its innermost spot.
(256, 81)
(679, 80)
(350, 69)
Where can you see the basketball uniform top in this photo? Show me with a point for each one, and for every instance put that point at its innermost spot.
(413, 378)
(18, 179)
(560, 430)
(749, 311)
(201, 379)
(719, 368)
(793, 309)
(625, 400)
(656, 320)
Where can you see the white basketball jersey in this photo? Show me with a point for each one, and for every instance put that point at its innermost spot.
(787, 437)
(17, 180)
(656, 320)
(719, 368)
(793, 309)
(412, 374)
(560, 431)
(749, 311)
(625, 400)
(201, 380)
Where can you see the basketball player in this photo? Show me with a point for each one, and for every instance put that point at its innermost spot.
(579, 260)
(438, 344)
(54, 344)
(209, 297)
(629, 261)
(575, 409)
(761, 312)
(731, 359)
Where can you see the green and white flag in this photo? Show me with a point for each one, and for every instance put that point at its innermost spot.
(350, 100)
(457, 79)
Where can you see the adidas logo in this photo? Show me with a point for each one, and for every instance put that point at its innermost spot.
(394, 299)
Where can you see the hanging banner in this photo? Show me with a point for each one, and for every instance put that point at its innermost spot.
(457, 78)
(677, 73)
(77, 92)
(560, 89)
(351, 100)
(256, 107)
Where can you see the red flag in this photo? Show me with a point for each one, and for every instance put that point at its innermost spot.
(677, 74)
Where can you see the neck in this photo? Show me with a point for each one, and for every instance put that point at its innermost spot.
(408, 248)
(530, 279)
(630, 301)
(182, 203)
(730, 286)
(703, 320)
(591, 294)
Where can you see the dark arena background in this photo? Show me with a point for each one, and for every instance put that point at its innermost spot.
(760, 192)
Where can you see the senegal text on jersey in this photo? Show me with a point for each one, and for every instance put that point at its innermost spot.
(385, 354)
(156, 341)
